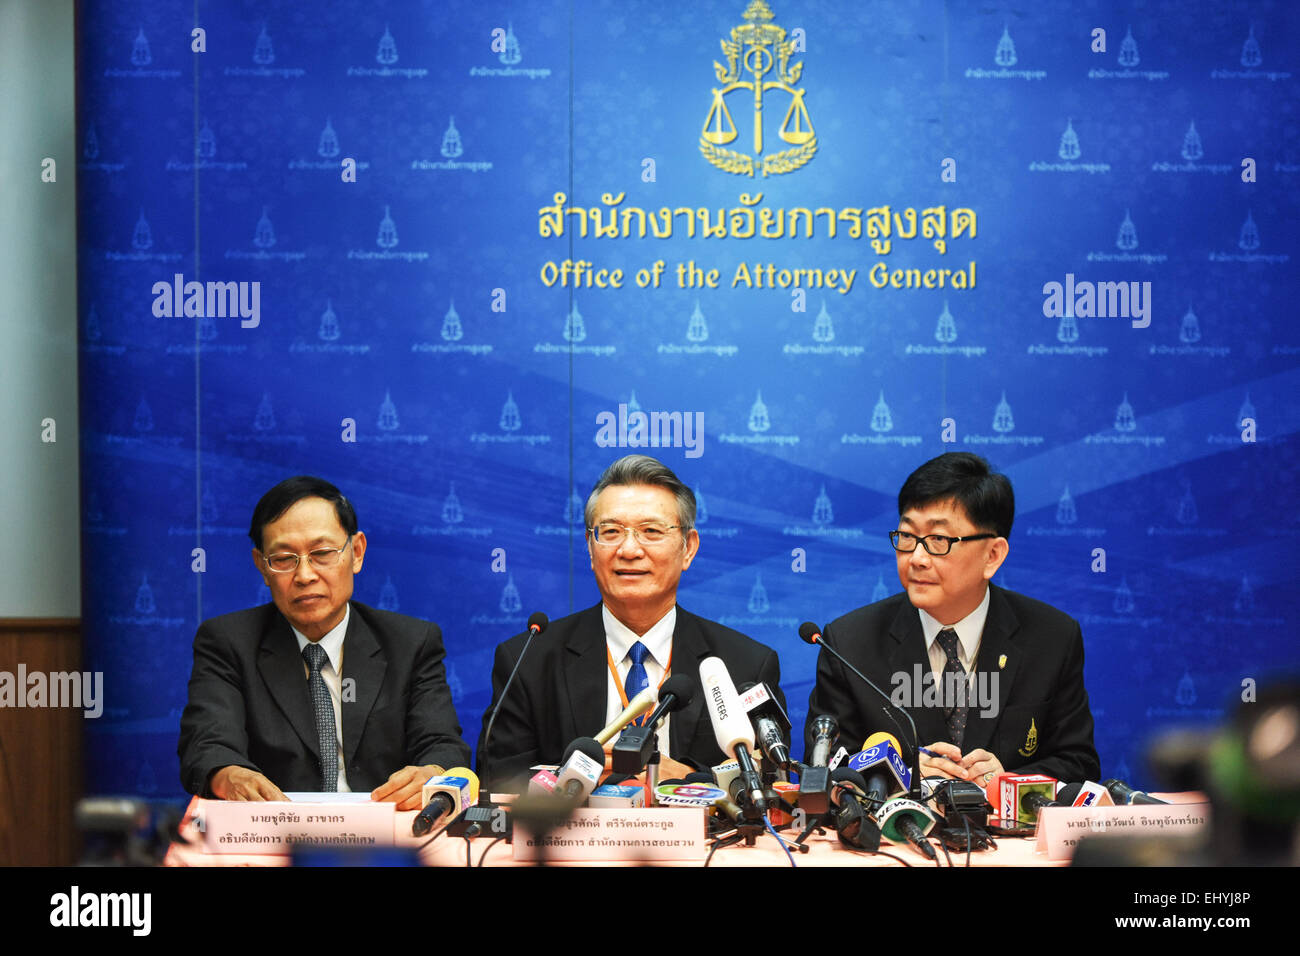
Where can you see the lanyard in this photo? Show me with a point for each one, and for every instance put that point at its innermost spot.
(622, 693)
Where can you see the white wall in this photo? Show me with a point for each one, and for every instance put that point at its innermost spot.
(40, 548)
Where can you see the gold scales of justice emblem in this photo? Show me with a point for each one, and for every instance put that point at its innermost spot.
(757, 47)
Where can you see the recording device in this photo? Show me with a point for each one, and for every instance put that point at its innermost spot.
(635, 746)
(446, 796)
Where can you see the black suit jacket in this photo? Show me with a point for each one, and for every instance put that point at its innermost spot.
(249, 705)
(560, 690)
(1041, 684)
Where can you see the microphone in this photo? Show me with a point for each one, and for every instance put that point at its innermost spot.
(730, 725)
(537, 622)
(1033, 802)
(634, 747)
(882, 768)
(637, 706)
(771, 725)
(812, 634)
(853, 821)
(815, 779)
(453, 791)
(1123, 793)
(580, 769)
(903, 820)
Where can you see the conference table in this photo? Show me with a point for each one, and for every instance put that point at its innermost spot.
(824, 850)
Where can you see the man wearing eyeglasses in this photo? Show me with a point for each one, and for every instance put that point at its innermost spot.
(1001, 674)
(580, 673)
(315, 692)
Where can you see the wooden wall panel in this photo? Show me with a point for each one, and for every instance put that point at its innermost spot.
(40, 749)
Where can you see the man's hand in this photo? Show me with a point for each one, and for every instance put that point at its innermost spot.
(240, 783)
(949, 765)
(981, 767)
(404, 786)
(670, 769)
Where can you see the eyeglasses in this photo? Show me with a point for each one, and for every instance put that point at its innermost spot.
(609, 534)
(322, 559)
(936, 544)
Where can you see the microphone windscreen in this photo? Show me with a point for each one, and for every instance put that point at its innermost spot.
(538, 621)
(810, 632)
(880, 737)
(588, 746)
(1067, 793)
(681, 687)
(851, 776)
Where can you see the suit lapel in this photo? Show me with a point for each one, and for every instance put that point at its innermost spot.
(285, 677)
(910, 658)
(582, 678)
(364, 665)
(691, 723)
(996, 644)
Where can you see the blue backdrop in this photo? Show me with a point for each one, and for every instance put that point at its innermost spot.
(378, 175)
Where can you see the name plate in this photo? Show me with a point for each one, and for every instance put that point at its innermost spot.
(654, 833)
(277, 827)
(1061, 828)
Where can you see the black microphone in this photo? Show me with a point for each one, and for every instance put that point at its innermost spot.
(537, 622)
(812, 634)
(635, 745)
(771, 724)
(1123, 793)
(853, 821)
(815, 778)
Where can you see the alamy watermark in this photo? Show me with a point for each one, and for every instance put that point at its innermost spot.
(920, 689)
(638, 429)
(1103, 300)
(55, 689)
(208, 300)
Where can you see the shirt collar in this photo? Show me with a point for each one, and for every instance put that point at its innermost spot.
(969, 629)
(658, 640)
(332, 643)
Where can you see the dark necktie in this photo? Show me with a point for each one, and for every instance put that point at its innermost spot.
(951, 693)
(637, 679)
(323, 708)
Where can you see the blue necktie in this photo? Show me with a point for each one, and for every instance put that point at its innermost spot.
(323, 708)
(637, 679)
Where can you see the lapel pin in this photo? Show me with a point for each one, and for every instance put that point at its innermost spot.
(1002, 662)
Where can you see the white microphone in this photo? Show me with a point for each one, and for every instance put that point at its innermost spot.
(731, 724)
(580, 770)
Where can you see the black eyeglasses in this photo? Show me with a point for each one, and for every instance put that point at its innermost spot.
(936, 544)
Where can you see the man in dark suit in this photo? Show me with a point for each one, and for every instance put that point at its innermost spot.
(315, 692)
(993, 679)
(581, 671)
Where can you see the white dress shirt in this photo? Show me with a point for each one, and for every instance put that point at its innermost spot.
(619, 638)
(969, 631)
(332, 671)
